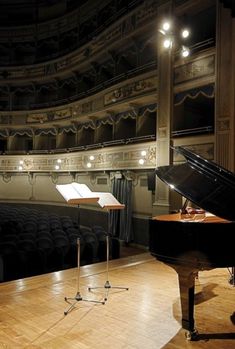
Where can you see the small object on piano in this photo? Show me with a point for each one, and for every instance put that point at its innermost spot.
(193, 215)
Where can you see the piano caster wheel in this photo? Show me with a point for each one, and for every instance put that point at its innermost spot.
(191, 335)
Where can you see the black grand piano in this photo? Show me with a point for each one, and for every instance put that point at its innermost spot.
(186, 243)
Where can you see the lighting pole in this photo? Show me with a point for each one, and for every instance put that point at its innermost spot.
(171, 41)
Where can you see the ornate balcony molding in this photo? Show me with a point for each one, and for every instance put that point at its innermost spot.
(120, 30)
(79, 111)
(200, 67)
(108, 159)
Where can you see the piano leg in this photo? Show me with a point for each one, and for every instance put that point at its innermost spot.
(186, 286)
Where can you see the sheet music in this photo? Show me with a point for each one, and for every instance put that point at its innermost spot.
(108, 201)
(76, 193)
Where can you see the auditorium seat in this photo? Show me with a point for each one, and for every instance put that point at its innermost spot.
(10, 257)
(34, 242)
(43, 225)
(114, 243)
(28, 252)
(73, 235)
(9, 229)
(91, 245)
(62, 248)
(30, 226)
(45, 233)
(45, 247)
(26, 236)
(58, 232)
(101, 236)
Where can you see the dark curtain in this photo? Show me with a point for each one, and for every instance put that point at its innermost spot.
(121, 220)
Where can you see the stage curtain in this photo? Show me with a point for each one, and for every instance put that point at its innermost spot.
(121, 220)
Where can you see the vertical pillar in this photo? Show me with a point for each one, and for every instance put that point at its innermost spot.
(61, 140)
(11, 143)
(37, 139)
(225, 88)
(164, 111)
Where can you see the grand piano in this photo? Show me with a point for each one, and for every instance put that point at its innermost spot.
(193, 242)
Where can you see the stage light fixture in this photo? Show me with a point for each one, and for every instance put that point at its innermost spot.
(185, 33)
(166, 26)
(185, 51)
(167, 43)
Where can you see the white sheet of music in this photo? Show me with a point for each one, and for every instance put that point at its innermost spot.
(108, 201)
(77, 193)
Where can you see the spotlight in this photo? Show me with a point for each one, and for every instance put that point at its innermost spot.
(166, 26)
(167, 43)
(141, 161)
(161, 31)
(185, 51)
(88, 165)
(185, 33)
(170, 38)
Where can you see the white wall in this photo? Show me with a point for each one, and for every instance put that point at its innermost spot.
(41, 187)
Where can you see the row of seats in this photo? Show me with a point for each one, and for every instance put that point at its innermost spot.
(34, 242)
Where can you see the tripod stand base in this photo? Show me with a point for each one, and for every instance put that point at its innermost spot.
(232, 276)
(107, 286)
(78, 298)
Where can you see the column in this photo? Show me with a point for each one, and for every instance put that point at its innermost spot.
(164, 112)
(225, 89)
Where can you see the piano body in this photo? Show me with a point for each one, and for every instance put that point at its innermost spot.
(188, 244)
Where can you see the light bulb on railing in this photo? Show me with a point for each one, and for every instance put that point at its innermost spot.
(141, 161)
(91, 157)
(20, 167)
(57, 167)
(88, 165)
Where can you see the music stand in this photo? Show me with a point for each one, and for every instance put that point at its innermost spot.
(232, 276)
(108, 202)
(78, 296)
(76, 193)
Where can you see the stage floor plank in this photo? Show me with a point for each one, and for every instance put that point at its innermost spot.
(144, 317)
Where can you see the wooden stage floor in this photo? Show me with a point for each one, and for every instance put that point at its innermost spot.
(144, 317)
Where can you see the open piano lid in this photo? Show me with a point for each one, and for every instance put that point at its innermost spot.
(204, 183)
